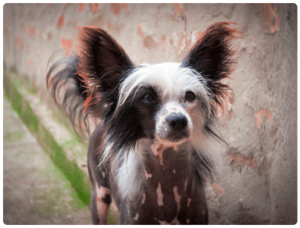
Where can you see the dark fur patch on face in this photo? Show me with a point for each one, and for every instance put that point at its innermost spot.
(134, 119)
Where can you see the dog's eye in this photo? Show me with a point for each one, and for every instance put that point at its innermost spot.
(148, 98)
(189, 96)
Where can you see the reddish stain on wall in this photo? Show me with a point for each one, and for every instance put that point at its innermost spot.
(238, 159)
(269, 17)
(31, 62)
(94, 7)
(165, 43)
(117, 7)
(149, 42)
(67, 44)
(178, 8)
(60, 22)
(80, 7)
(17, 41)
(31, 31)
(261, 117)
(49, 35)
(140, 31)
(125, 5)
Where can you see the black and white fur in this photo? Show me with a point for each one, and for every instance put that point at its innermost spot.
(155, 144)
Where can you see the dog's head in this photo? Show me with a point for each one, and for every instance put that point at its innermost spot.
(168, 102)
(171, 101)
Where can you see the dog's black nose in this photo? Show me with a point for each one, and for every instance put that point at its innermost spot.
(177, 121)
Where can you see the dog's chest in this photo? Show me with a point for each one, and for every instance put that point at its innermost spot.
(171, 194)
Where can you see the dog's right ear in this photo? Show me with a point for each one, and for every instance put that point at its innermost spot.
(212, 56)
(102, 64)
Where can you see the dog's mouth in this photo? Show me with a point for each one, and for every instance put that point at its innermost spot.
(168, 143)
(173, 137)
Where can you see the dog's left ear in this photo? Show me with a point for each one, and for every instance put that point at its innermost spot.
(102, 66)
(102, 59)
(212, 56)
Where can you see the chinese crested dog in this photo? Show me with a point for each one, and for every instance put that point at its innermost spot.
(155, 144)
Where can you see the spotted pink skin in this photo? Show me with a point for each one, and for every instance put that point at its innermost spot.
(172, 195)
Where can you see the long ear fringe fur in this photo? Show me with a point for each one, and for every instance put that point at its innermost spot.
(68, 91)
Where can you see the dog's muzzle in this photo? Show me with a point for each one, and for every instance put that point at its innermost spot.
(174, 128)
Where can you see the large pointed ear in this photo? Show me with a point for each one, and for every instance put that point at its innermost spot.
(102, 65)
(212, 56)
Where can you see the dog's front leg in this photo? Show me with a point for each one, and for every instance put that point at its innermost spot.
(100, 197)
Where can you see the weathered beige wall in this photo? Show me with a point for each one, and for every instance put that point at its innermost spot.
(258, 181)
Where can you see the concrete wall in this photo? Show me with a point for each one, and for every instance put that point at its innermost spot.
(258, 180)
